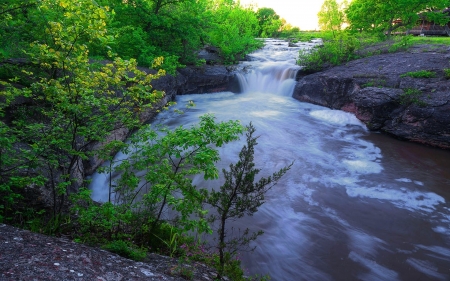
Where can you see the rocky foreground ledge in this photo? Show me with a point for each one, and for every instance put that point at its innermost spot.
(414, 109)
(25, 255)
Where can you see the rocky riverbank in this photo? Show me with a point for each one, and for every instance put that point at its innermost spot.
(377, 91)
(25, 255)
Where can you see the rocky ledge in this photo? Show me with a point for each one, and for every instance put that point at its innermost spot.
(25, 255)
(377, 92)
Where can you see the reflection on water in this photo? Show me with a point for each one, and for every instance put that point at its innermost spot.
(355, 205)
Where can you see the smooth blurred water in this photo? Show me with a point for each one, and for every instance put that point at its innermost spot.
(355, 205)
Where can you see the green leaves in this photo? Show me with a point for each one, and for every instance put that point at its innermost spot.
(240, 195)
(387, 16)
(161, 164)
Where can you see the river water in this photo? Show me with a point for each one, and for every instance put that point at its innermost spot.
(356, 205)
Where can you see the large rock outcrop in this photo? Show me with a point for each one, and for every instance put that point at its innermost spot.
(377, 92)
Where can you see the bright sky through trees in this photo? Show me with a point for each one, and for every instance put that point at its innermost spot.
(300, 13)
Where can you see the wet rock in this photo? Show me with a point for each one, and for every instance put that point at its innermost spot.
(211, 55)
(414, 109)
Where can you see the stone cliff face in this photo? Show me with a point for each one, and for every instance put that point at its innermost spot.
(373, 88)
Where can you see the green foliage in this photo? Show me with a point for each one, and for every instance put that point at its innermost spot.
(172, 242)
(430, 40)
(73, 105)
(386, 16)
(333, 52)
(240, 195)
(169, 161)
(331, 16)
(269, 22)
(401, 43)
(447, 73)
(305, 36)
(420, 74)
(233, 31)
(126, 250)
(412, 96)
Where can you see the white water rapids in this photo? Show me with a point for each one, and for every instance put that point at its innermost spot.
(355, 205)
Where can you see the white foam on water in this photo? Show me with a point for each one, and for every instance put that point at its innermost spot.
(427, 268)
(364, 244)
(404, 199)
(337, 117)
(443, 253)
(363, 166)
(266, 113)
(377, 271)
(441, 230)
(403, 180)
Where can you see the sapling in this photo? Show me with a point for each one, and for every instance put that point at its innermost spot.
(240, 195)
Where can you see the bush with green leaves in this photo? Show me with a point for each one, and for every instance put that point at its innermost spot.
(447, 73)
(126, 249)
(401, 43)
(412, 96)
(234, 30)
(333, 52)
(155, 177)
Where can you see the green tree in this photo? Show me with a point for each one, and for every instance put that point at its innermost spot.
(72, 105)
(233, 30)
(331, 16)
(269, 21)
(156, 177)
(240, 195)
(388, 16)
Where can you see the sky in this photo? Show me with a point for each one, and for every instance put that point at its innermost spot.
(300, 13)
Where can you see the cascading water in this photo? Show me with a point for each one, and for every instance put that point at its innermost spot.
(355, 205)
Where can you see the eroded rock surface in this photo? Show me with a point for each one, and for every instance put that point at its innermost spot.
(415, 109)
(25, 255)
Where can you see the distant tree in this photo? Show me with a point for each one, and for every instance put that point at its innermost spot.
(240, 195)
(387, 16)
(270, 22)
(331, 16)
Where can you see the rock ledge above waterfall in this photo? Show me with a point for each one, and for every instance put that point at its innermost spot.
(414, 109)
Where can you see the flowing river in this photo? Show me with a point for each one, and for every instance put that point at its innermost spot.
(356, 205)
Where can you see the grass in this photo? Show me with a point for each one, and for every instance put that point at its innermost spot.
(431, 40)
(420, 74)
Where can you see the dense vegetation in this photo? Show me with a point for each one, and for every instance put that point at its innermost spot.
(353, 29)
(69, 81)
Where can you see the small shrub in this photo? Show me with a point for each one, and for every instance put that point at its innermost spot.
(126, 249)
(447, 73)
(420, 74)
(333, 52)
(411, 96)
(403, 44)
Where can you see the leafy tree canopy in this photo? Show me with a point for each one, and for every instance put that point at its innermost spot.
(331, 15)
(387, 16)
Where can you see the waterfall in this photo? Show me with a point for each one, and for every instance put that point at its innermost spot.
(275, 78)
